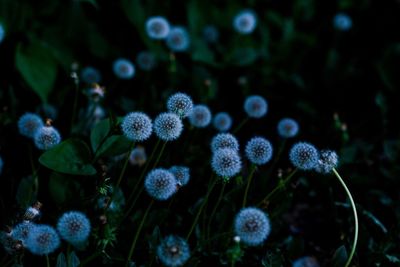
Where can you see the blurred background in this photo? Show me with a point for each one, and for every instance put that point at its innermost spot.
(331, 65)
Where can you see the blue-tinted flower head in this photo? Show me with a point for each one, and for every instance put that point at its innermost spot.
(222, 121)
(47, 137)
(255, 106)
(178, 39)
(181, 104)
(210, 34)
(168, 126)
(138, 156)
(160, 184)
(306, 261)
(123, 68)
(42, 240)
(74, 227)
(90, 75)
(157, 27)
(259, 150)
(288, 128)
(146, 60)
(304, 156)
(29, 123)
(2, 32)
(181, 173)
(245, 22)
(22, 230)
(200, 116)
(226, 162)
(252, 226)
(137, 126)
(173, 251)
(1, 165)
(328, 160)
(342, 22)
(224, 140)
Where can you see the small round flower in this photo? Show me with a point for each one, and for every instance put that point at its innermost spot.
(304, 156)
(136, 126)
(342, 22)
(168, 126)
(222, 121)
(138, 156)
(47, 137)
(288, 128)
(252, 226)
(259, 150)
(157, 27)
(210, 34)
(160, 184)
(146, 60)
(90, 75)
(173, 251)
(256, 106)
(245, 22)
(2, 32)
(224, 140)
(181, 173)
(226, 162)
(29, 123)
(200, 116)
(1, 165)
(42, 240)
(181, 104)
(123, 68)
(328, 160)
(22, 230)
(178, 39)
(306, 262)
(74, 227)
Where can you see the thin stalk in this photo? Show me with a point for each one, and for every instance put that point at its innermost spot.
(221, 195)
(244, 121)
(120, 177)
(210, 188)
(138, 233)
(278, 187)
(75, 105)
(47, 261)
(251, 174)
(160, 154)
(353, 205)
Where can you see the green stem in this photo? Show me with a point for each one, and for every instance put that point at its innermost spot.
(353, 248)
(221, 195)
(75, 105)
(138, 233)
(244, 121)
(120, 177)
(278, 187)
(210, 188)
(251, 174)
(47, 261)
(146, 166)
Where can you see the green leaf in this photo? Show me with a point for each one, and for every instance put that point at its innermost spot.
(61, 261)
(27, 191)
(72, 156)
(38, 67)
(99, 132)
(59, 187)
(339, 257)
(74, 260)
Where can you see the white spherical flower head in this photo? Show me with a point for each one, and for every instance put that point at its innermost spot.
(200, 116)
(222, 121)
(123, 69)
(168, 126)
(245, 22)
(137, 126)
(157, 27)
(178, 39)
(342, 22)
(252, 226)
(256, 106)
(181, 104)
(146, 60)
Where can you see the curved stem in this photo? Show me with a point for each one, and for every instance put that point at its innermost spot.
(353, 248)
(120, 177)
(251, 174)
(221, 195)
(138, 233)
(278, 187)
(210, 188)
(244, 121)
